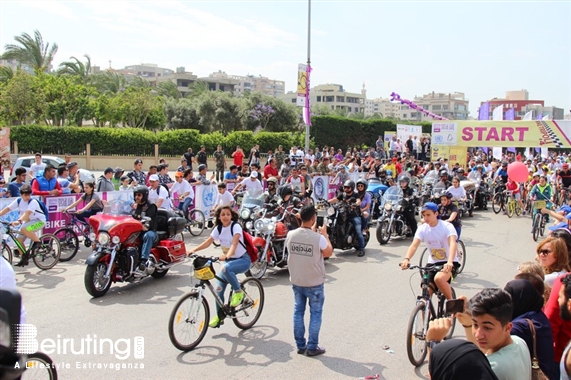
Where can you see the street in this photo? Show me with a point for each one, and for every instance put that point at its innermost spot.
(367, 306)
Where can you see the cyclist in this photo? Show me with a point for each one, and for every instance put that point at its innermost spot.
(564, 178)
(351, 197)
(542, 191)
(448, 212)
(233, 252)
(440, 239)
(93, 204)
(502, 173)
(31, 219)
(184, 192)
(514, 187)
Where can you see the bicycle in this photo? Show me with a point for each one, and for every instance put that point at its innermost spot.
(422, 314)
(196, 221)
(499, 202)
(512, 205)
(461, 254)
(69, 239)
(188, 322)
(37, 364)
(45, 256)
(539, 220)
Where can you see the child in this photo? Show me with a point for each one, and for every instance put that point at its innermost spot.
(126, 183)
(515, 189)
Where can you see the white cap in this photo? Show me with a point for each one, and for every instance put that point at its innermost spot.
(254, 174)
(154, 177)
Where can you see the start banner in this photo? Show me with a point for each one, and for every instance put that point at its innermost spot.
(491, 133)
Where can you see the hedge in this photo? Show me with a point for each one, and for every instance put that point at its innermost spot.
(326, 130)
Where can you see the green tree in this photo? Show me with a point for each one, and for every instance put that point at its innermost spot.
(109, 82)
(321, 110)
(31, 51)
(138, 108)
(6, 73)
(181, 113)
(168, 89)
(20, 101)
(77, 69)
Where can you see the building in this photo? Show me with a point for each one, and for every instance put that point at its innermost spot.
(333, 96)
(453, 106)
(520, 102)
(146, 70)
(251, 83)
(14, 65)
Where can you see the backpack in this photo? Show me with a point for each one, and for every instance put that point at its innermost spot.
(166, 188)
(248, 243)
(42, 206)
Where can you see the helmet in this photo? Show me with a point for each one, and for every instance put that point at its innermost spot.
(446, 194)
(349, 183)
(273, 180)
(479, 167)
(536, 174)
(389, 173)
(460, 170)
(144, 190)
(284, 191)
(504, 163)
(201, 167)
(404, 179)
(443, 173)
(363, 182)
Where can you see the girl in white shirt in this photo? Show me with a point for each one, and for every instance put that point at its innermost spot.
(457, 191)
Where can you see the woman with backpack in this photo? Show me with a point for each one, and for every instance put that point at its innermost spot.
(93, 204)
(234, 255)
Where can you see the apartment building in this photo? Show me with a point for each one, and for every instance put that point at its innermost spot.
(453, 106)
(382, 107)
(333, 96)
(520, 102)
(252, 83)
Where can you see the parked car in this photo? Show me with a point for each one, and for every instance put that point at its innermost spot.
(27, 161)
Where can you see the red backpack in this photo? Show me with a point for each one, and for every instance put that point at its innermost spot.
(248, 243)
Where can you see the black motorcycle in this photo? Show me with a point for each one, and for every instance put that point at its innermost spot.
(481, 192)
(392, 221)
(341, 231)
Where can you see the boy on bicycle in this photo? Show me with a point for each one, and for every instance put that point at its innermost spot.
(440, 239)
(542, 191)
(31, 218)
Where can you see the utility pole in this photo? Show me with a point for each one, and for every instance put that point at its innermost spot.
(307, 127)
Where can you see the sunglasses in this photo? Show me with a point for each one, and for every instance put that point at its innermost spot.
(545, 252)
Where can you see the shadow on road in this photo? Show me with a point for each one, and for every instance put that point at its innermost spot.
(471, 280)
(45, 279)
(350, 368)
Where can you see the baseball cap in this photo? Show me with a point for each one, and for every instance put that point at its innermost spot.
(395, 159)
(254, 174)
(429, 206)
(108, 169)
(154, 177)
(178, 174)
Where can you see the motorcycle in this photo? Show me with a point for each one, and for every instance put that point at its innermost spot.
(117, 248)
(376, 187)
(341, 231)
(481, 190)
(250, 209)
(392, 221)
(468, 205)
(427, 184)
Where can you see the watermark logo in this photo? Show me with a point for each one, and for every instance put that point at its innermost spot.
(122, 349)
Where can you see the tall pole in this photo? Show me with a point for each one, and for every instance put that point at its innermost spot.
(308, 64)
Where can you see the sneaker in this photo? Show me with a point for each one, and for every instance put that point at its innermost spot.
(315, 352)
(361, 253)
(215, 322)
(23, 261)
(301, 351)
(35, 245)
(210, 224)
(16, 252)
(236, 299)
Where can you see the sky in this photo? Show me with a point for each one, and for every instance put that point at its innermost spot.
(480, 48)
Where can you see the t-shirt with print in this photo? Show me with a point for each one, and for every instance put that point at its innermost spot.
(436, 240)
(64, 184)
(38, 169)
(225, 237)
(32, 205)
(512, 362)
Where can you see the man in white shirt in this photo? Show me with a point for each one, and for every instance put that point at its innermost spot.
(158, 195)
(224, 198)
(184, 192)
(37, 168)
(251, 184)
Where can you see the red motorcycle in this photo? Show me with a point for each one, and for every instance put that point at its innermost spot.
(117, 248)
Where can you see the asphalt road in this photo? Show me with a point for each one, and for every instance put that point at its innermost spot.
(367, 306)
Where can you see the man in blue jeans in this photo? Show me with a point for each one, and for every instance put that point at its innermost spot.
(143, 208)
(307, 248)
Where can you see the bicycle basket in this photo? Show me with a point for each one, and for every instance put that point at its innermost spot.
(203, 269)
(539, 204)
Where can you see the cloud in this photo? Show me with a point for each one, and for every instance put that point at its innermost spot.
(53, 7)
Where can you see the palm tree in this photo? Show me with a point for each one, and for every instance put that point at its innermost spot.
(31, 51)
(168, 89)
(77, 68)
(6, 73)
(110, 82)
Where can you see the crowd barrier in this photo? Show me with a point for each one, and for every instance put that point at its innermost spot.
(323, 188)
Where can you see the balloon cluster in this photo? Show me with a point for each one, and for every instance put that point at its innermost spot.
(413, 105)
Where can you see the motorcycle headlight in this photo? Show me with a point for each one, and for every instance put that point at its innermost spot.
(330, 211)
(245, 214)
(103, 238)
(388, 206)
(92, 236)
(271, 227)
(116, 240)
(249, 225)
(258, 225)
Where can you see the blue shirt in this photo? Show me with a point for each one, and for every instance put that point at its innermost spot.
(231, 176)
(64, 184)
(14, 188)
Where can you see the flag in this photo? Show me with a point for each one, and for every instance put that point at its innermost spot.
(498, 113)
(484, 111)
(528, 116)
(302, 85)
(307, 105)
(512, 149)
(485, 150)
(539, 116)
(497, 152)
(544, 152)
(510, 115)
(537, 150)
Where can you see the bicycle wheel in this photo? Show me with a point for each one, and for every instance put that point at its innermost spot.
(188, 321)
(518, 209)
(536, 226)
(497, 203)
(415, 339)
(196, 222)
(423, 258)
(542, 224)
(39, 366)
(47, 254)
(248, 312)
(510, 209)
(442, 313)
(461, 249)
(68, 242)
(7, 252)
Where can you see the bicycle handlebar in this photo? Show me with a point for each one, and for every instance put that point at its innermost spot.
(211, 258)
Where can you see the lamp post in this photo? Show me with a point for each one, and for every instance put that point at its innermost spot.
(308, 65)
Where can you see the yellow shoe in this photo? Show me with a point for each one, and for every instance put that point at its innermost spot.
(237, 299)
(215, 322)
